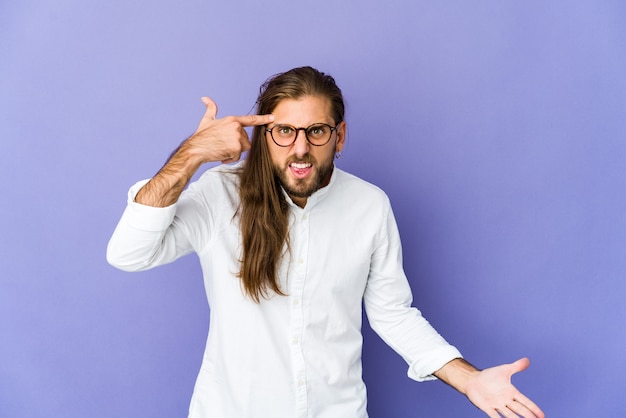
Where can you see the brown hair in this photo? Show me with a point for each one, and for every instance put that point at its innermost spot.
(263, 208)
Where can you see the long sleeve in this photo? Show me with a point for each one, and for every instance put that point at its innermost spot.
(146, 236)
(388, 300)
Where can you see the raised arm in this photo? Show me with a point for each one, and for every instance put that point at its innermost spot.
(145, 236)
(491, 390)
(215, 140)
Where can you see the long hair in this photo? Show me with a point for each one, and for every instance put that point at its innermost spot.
(263, 209)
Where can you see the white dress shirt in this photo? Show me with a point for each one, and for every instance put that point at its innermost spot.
(297, 355)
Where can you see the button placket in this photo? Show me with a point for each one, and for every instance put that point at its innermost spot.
(300, 247)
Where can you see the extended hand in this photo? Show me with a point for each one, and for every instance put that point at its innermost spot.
(492, 392)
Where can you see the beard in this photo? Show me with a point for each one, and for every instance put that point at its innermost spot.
(303, 188)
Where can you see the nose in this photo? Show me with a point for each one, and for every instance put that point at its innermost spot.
(300, 144)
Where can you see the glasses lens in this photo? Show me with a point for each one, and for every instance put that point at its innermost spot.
(319, 134)
(283, 134)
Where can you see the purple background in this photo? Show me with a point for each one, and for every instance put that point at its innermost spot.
(497, 128)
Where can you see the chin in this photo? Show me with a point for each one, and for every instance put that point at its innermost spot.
(301, 191)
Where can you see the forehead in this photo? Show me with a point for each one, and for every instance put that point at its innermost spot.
(303, 111)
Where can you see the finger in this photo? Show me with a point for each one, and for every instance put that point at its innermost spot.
(244, 145)
(244, 140)
(234, 157)
(519, 409)
(530, 405)
(491, 413)
(519, 365)
(254, 120)
(231, 160)
(211, 108)
(506, 412)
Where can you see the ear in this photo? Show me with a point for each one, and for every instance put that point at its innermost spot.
(341, 135)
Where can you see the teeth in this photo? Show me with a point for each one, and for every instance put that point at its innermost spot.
(301, 165)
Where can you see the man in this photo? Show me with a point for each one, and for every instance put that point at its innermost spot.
(290, 248)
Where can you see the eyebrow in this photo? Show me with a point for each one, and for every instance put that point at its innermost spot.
(294, 126)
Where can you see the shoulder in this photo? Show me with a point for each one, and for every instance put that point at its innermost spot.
(354, 187)
(217, 183)
(358, 198)
(226, 175)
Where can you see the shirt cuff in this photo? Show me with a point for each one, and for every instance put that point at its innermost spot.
(422, 370)
(147, 218)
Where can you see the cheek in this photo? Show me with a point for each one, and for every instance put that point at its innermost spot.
(277, 155)
(324, 155)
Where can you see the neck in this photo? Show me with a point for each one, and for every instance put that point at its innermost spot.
(299, 201)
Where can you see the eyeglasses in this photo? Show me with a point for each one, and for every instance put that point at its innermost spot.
(317, 134)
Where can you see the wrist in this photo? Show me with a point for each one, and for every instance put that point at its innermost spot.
(457, 373)
(166, 186)
(187, 158)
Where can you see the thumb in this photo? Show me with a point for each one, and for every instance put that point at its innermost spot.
(211, 108)
(520, 365)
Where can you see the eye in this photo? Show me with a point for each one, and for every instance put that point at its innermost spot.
(318, 131)
(284, 130)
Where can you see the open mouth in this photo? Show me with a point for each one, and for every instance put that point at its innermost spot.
(300, 170)
(300, 166)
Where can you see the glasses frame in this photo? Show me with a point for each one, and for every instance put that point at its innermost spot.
(306, 135)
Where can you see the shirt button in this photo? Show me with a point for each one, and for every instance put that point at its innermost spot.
(295, 341)
(301, 382)
(296, 302)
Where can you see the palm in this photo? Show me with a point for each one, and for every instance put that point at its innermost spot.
(492, 392)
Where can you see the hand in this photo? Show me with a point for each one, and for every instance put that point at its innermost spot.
(492, 392)
(222, 139)
(215, 140)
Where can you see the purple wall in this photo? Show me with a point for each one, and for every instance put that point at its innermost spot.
(497, 128)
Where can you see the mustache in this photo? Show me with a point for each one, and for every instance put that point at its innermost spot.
(306, 159)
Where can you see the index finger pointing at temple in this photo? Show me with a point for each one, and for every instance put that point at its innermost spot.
(254, 120)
